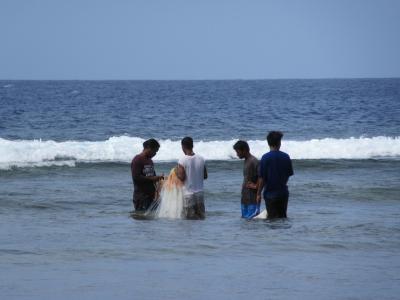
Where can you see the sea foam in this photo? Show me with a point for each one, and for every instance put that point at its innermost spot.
(38, 153)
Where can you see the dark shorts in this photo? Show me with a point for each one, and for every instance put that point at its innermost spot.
(276, 207)
(142, 203)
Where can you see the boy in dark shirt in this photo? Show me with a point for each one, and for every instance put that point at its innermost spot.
(144, 177)
(249, 204)
(275, 170)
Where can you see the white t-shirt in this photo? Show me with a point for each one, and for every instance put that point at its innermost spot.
(194, 168)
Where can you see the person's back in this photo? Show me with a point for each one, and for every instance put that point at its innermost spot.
(192, 171)
(194, 168)
(276, 167)
(275, 170)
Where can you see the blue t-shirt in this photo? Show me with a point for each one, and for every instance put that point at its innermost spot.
(275, 169)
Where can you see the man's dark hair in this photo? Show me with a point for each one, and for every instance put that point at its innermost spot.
(187, 142)
(274, 138)
(241, 146)
(152, 144)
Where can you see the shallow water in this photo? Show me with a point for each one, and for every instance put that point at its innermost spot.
(68, 232)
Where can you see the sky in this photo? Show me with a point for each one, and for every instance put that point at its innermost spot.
(187, 39)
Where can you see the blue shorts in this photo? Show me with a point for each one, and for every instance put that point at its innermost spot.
(250, 210)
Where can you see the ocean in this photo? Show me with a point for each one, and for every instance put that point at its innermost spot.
(66, 229)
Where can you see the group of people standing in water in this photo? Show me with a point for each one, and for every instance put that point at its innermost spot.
(181, 194)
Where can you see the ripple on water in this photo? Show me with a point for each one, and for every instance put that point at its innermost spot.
(16, 252)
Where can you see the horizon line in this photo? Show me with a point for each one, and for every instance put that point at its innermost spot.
(204, 79)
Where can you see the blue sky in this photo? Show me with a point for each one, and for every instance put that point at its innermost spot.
(127, 39)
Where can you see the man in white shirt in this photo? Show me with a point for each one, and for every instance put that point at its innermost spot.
(192, 171)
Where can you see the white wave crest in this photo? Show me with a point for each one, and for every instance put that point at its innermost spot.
(25, 153)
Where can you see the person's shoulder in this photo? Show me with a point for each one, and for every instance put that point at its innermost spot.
(196, 157)
(284, 154)
(137, 158)
(182, 160)
(254, 159)
(266, 155)
(199, 157)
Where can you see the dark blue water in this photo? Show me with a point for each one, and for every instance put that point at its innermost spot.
(211, 110)
(65, 225)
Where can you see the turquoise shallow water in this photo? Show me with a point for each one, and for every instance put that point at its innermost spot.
(65, 207)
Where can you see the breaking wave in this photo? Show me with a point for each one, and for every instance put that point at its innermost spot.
(38, 153)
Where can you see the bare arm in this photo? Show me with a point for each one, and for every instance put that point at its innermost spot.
(260, 186)
(251, 185)
(181, 173)
(141, 178)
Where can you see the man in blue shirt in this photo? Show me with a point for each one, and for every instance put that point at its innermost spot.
(275, 170)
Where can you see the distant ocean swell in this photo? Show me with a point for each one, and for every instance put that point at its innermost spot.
(38, 153)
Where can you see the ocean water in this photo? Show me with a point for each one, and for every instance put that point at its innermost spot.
(66, 191)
